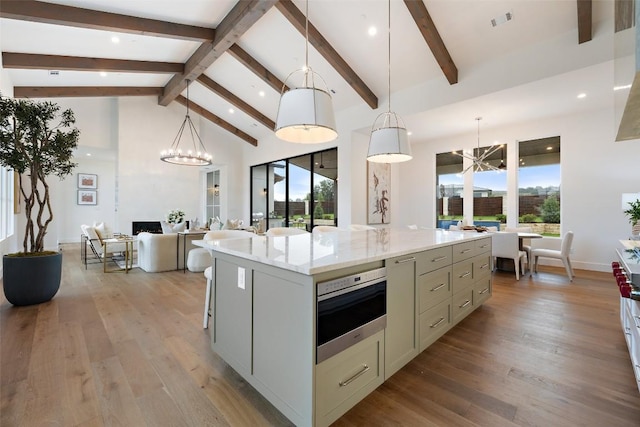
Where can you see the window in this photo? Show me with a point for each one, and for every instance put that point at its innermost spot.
(213, 195)
(539, 185)
(6, 202)
(490, 192)
(296, 192)
(450, 189)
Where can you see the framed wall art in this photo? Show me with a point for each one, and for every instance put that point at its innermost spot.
(378, 187)
(87, 197)
(87, 180)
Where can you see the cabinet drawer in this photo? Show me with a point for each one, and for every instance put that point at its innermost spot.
(346, 378)
(481, 266)
(483, 245)
(462, 276)
(461, 304)
(462, 251)
(434, 323)
(433, 288)
(433, 259)
(481, 291)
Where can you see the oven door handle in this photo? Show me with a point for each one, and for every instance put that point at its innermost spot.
(351, 289)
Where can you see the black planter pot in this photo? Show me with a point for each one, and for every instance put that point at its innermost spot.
(31, 279)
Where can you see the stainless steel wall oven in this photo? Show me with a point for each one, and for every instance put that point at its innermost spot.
(350, 309)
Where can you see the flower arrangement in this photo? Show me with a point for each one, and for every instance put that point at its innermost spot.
(175, 216)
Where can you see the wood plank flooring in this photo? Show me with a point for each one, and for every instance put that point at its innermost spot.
(129, 350)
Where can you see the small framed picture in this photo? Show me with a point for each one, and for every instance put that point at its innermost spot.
(86, 197)
(87, 180)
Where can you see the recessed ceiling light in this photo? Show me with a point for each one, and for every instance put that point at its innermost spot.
(582, 95)
(231, 110)
(621, 87)
(409, 133)
(88, 154)
(372, 31)
(103, 74)
(549, 148)
(261, 93)
(115, 39)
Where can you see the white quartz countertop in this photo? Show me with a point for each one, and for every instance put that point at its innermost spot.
(314, 253)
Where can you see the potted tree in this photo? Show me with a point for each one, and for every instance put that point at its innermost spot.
(36, 141)
(634, 216)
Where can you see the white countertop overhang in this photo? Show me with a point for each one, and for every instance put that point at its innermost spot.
(320, 252)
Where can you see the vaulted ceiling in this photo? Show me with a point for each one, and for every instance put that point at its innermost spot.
(238, 53)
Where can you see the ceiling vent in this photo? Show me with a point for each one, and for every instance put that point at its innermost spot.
(501, 19)
(54, 72)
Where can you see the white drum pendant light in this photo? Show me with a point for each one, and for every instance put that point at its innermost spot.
(389, 142)
(305, 113)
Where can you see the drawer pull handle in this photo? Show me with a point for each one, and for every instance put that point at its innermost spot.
(484, 246)
(483, 266)
(442, 285)
(465, 304)
(345, 383)
(402, 261)
(468, 273)
(440, 258)
(464, 251)
(435, 325)
(484, 291)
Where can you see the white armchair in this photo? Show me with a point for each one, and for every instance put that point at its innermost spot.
(562, 254)
(505, 245)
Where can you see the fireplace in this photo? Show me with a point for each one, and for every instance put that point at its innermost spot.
(148, 226)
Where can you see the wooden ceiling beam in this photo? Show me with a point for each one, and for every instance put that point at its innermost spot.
(431, 35)
(28, 61)
(217, 120)
(234, 100)
(82, 91)
(243, 15)
(258, 69)
(585, 20)
(51, 13)
(298, 20)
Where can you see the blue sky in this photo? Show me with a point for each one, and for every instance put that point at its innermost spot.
(532, 176)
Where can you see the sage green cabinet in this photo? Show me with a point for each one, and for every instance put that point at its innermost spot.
(400, 335)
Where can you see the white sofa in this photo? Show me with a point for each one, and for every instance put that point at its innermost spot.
(163, 252)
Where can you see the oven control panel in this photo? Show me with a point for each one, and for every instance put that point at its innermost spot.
(348, 281)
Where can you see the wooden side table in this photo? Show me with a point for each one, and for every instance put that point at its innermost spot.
(128, 253)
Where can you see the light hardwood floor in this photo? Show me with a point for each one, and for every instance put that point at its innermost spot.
(129, 350)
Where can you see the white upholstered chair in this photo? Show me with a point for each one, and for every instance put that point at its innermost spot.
(325, 229)
(526, 246)
(562, 254)
(359, 227)
(285, 231)
(505, 245)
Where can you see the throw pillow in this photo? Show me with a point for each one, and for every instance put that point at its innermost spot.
(234, 224)
(168, 228)
(103, 230)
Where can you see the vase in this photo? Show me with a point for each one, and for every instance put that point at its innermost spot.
(635, 230)
(31, 279)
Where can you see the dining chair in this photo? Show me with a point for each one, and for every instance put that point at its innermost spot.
(505, 245)
(359, 227)
(325, 229)
(285, 231)
(525, 247)
(562, 254)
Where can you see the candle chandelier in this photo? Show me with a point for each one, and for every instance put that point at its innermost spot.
(479, 159)
(196, 155)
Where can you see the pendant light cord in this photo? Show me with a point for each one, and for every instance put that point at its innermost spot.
(188, 81)
(306, 35)
(389, 50)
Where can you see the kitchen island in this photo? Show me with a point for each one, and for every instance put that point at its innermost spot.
(264, 309)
